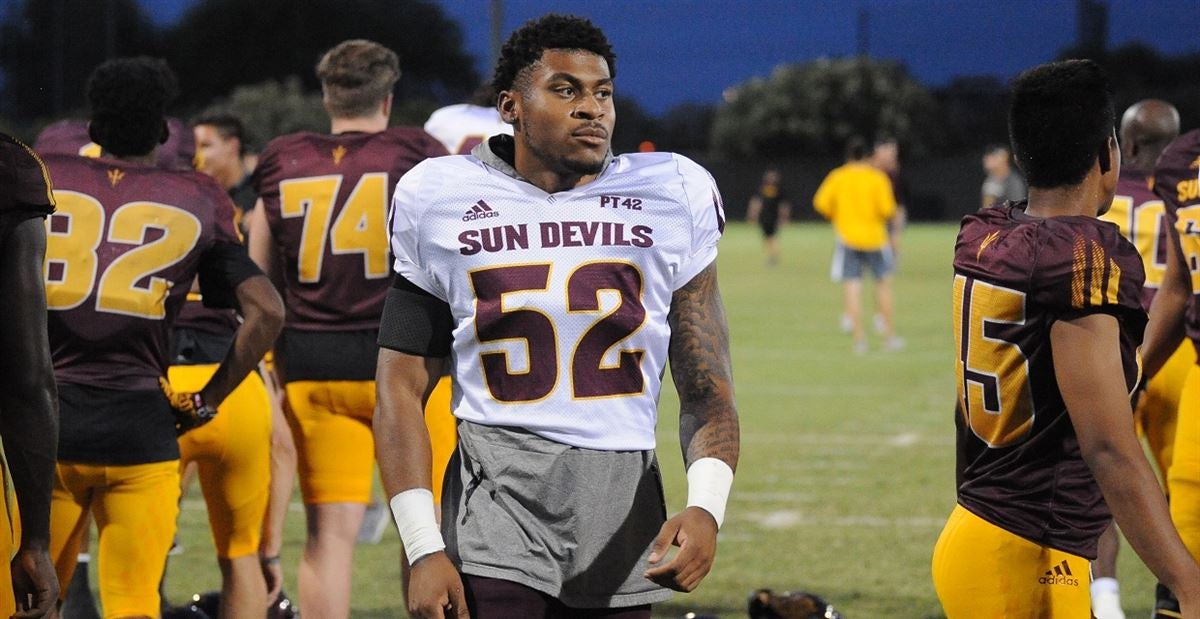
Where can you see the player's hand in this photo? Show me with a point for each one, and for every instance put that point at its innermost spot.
(190, 409)
(435, 589)
(34, 583)
(694, 531)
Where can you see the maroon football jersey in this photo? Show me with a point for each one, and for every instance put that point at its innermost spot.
(122, 251)
(70, 137)
(1019, 463)
(1177, 182)
(1142, 218)
(326, 199)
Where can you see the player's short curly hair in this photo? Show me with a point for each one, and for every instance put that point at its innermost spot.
(1059, 121)
(129, 99)
(356, 76)
(553, 31)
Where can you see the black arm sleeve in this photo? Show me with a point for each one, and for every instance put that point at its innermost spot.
(223, 267)
(415, 322)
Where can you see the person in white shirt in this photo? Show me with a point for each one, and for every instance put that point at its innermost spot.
(463, 126)
(556, 280)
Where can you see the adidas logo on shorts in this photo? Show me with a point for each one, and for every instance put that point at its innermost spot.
(1060, 575)
(481, 210)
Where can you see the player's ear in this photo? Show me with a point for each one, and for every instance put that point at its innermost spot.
(387, 105)
(506, 104)
(1104, 156)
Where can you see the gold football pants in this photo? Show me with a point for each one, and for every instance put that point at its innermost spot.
(331, 423)
(981, 571)
(233, 455)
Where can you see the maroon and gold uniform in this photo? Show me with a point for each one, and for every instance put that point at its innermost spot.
(1023, 486)
(325, 198)
(70, 137)
(1177, 182)
(1143, 219)
(122, 251)
(24, 195)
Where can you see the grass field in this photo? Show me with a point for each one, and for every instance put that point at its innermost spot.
(847, 465)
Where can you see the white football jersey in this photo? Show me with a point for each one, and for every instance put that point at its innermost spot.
(461, 127)
(559, 300)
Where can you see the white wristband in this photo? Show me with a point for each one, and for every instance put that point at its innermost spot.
(709, 480)
(415, 520)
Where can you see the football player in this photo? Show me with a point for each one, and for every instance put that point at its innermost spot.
(1146, 129)
(556, 280)
(28, 398)
(220, 153)
(71, 137)
(233, 453)
(321, 229)
(1177, 182)
(123, 249)
(1047, 320)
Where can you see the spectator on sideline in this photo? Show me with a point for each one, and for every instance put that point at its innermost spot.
(858, 200)
(770, 208)
(1003, 183)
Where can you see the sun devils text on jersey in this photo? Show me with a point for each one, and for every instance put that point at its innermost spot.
(558, 300)
(1177, 182)
(1019, 462)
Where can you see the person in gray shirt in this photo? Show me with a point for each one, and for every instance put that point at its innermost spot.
(1003, 182)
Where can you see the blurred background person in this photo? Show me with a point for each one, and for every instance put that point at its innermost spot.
(1003, 183)
(857, 198)
(462, 126)
(1147, 127)
(770, 208)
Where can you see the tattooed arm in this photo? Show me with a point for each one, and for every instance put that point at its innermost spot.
(708, 423)
(700, 367)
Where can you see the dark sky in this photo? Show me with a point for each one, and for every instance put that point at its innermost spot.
(687, 50)
(673, 51)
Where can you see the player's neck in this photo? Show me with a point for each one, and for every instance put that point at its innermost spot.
(230, 176)
(361, 124)
(549, 180)
(149, 158)
(1140, 165)
(1083, 199)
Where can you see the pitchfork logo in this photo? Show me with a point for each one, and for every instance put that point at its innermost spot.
(481, 210)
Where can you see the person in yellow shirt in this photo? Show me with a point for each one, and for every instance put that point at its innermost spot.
(857, 198)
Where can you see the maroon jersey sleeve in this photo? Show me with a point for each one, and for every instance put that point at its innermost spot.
(325, 198)
(24, 181)
(122, 251)
(1085, 266)
(1177, 182)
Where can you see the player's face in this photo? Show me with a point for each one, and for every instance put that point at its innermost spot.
(215, 153)
(564, 116)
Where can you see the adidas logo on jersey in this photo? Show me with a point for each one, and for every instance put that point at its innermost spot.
(1060, 575)
(481, 210)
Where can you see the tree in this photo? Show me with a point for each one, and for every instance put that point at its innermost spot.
(220, 44)
(271, 109)
(1138, 72)
(48, 49)
(813, 108)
